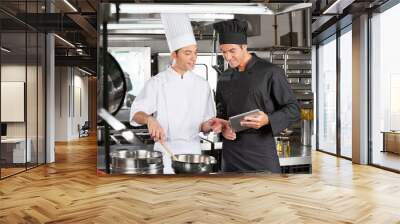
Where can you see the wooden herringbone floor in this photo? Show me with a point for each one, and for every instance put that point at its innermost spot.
(70, 191)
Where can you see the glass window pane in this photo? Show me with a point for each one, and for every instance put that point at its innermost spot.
(22, 81)
(32, 87)
(31, 98)
(346, 94)
(327, 97)
(385, 89)
(13, 86)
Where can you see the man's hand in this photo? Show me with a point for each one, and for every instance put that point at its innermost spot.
(255, 121)
(155, 129)
(218, 125)
(214, 124)
(228, 133)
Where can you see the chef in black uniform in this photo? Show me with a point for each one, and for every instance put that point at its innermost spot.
(251, 83)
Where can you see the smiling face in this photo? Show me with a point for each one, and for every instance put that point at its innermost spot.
(234, 54)
(185, 58)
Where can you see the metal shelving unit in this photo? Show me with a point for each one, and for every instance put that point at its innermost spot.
(297, 64)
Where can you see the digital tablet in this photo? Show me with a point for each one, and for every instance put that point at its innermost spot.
(235, 120)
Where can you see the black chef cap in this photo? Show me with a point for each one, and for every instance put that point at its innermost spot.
(232, 31)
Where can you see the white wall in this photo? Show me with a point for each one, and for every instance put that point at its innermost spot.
(70, 83)
(61, 103)
(79, 118)
(16, 73)
(33, 125)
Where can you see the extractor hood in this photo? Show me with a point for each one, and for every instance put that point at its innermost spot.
(215, 8)
(127, 19)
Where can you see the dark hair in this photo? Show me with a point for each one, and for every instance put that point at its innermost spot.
(176, 51)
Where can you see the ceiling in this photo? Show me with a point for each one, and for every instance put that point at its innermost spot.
(328, 16)
(75, 22)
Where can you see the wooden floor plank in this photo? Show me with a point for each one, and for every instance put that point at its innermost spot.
(71, 191)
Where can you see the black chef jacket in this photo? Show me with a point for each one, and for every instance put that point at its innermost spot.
(262, 86)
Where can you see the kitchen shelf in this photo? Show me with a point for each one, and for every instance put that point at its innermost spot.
(297, 64)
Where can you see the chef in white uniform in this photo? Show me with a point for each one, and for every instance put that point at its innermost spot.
(177, 104)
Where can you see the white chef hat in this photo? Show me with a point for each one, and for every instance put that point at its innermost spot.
(178, 30)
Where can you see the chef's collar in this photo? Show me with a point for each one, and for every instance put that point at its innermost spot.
(250, 63)
(175, 75)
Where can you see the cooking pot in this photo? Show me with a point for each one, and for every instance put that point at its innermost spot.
(136, 162)
(193, 164)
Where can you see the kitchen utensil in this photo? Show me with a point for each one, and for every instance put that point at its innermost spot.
(193, 164)
(286, 132)
(116, 124)
(131, 162)
(168, 151)
(182, 163)
(118, 142)
(136, 161)
(286, 149)
(116, 83)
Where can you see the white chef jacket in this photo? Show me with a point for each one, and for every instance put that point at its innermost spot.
(180, 104)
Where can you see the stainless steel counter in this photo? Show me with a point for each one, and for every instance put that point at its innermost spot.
(297, 156)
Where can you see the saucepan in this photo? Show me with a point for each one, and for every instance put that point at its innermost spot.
(181, 163)
(190, 163)
(136, 161)
(193, 164)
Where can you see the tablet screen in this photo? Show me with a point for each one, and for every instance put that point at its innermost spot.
(235, 120)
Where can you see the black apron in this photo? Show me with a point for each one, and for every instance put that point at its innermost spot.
(239, 92)
(250, 152)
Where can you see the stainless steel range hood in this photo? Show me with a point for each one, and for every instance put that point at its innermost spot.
(217, 8)
(144, 19)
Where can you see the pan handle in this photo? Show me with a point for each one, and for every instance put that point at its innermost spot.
(116, 124)
(211, 142)
(111, 120)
